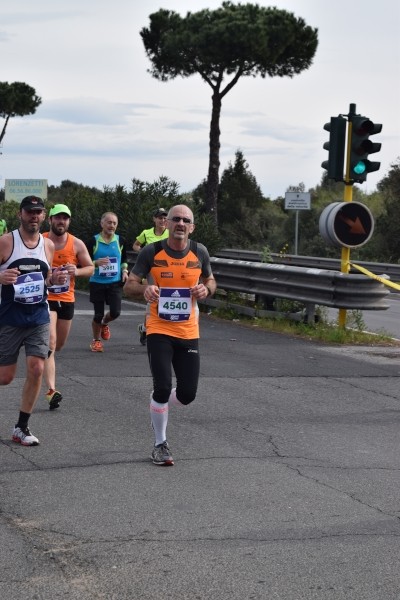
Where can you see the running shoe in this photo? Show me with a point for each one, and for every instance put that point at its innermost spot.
(23, 436)
(53, 398)
(161, 455)
(96, 346)
(142, 332)
(105, 332)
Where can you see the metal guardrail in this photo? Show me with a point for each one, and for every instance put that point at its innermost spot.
(311, 286)
(393, 270)
(308, 285)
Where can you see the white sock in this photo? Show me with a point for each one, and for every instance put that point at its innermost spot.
(173, 400)
(159, 420)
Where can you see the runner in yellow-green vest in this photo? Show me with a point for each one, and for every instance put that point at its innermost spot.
(3, 226)
(149, 236)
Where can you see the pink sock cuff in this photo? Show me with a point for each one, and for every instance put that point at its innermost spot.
(155, 407)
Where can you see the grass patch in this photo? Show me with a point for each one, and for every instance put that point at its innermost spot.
(329, 333)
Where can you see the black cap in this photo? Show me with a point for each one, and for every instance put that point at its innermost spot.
(31, 202)
(160, 212)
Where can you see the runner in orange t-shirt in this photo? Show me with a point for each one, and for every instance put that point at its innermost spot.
(71, 254)
(177, 273)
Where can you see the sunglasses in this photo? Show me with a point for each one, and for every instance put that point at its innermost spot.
(186, 220)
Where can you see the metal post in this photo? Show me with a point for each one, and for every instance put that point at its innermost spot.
(347, 197)
(296, 233)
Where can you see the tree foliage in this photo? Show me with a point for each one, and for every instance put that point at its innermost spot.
(223, 45)
(240, 196)
(387, 228)
(238, 191)
(248, 219)
(16, 100)
(134, 208)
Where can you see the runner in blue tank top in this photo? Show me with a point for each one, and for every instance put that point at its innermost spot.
(108, 252)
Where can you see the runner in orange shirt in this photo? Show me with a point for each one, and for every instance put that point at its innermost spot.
(71, 254)
(177, 273)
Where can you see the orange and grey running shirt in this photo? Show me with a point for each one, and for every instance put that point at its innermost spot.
(65, 292)
(176, 313)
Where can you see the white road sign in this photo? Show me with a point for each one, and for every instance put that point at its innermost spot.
(297, 201)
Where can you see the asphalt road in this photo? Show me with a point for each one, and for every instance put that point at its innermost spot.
(285, 484)
(379, 321)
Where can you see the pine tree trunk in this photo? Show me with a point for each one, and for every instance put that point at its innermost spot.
(213, 166)
(3, 133)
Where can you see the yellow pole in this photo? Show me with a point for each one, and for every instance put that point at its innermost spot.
(347, 197)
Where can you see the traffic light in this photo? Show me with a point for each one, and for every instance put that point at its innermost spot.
(335, 147)
(346, 224)
(361, 146)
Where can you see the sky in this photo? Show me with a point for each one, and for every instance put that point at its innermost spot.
(104, 120)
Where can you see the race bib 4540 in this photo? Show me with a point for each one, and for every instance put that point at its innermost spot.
(174, 304)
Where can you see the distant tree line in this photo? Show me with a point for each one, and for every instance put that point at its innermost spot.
(247, 219)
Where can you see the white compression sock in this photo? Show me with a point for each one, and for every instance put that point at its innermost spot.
(159, 420)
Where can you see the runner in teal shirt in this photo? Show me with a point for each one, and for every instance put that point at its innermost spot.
(108, 252)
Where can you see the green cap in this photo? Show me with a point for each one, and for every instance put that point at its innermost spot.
(59, 208)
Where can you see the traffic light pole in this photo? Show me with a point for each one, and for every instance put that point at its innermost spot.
(340, 223)
(347, 197)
